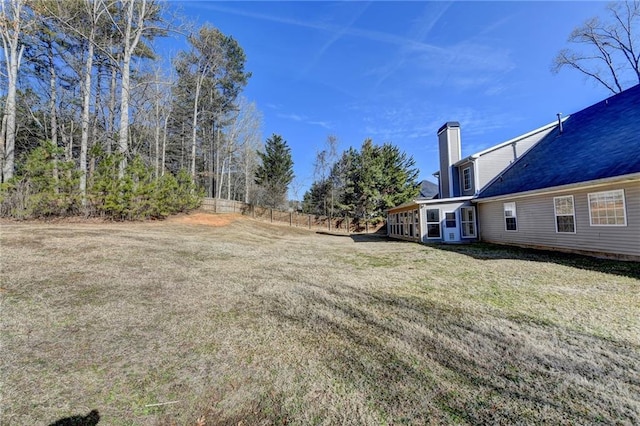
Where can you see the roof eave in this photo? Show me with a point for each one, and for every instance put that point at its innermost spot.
(560, 188)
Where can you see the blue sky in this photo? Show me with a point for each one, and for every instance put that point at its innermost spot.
(396, 71)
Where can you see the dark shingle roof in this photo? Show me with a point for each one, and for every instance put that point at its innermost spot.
(601, 141)
(428, 189)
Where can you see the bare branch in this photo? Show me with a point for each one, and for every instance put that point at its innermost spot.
(613, 44)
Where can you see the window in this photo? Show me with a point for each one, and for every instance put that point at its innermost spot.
(410, 223)
(607, 208)
(433, 223)
(450, 220)
(468, 222)
(395, 223)
(466, 178)
(565, 216)
(510, 222)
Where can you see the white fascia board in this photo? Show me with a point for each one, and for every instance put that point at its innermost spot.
(444, 200)
(581, 185)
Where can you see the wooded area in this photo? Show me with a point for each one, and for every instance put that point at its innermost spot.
(86, 84)
(97, 122)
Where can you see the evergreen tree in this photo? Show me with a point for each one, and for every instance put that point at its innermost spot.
(367, 182)
(315, 199)
(276, 171)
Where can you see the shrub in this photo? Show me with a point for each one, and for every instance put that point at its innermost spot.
(139, 195)
(43, 186)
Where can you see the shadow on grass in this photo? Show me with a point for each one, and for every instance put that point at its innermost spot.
(374, 237)
(487, 251)
(91, 419)
(420, 362)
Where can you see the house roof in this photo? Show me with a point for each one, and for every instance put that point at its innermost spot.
(428, 189)
(599, 142)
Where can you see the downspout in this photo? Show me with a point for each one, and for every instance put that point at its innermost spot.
(476, 175)
(421, 213)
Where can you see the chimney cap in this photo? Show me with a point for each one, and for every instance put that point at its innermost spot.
(447, 125)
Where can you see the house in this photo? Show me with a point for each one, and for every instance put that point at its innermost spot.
(450, 216)
(572, 185)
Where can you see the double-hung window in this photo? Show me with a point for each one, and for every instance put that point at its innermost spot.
(468, 222)
(510, 217)
(565, 214)
(433, 223)
(607, 208)
(466, 178)
(450, 219)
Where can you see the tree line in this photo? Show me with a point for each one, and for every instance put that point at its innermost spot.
(96, 122)
(85, 91)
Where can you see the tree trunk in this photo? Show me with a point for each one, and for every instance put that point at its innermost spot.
(13, 50)
(131, 39)
(54, 115)
(86, 102)
(164, 143)
(195, 126)
(112, 108)
(229, 177)
(157, 139)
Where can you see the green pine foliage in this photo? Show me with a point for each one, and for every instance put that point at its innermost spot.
(43, 186)
(367, 182)
(46, 186)
(275, 173)
(139, 195)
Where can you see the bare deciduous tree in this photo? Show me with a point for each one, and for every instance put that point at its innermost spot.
(612, 48)
(12, 23)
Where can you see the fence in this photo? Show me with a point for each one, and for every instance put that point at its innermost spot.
(300, 220)
(218, 205)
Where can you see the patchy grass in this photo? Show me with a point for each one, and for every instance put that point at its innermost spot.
(260, 324)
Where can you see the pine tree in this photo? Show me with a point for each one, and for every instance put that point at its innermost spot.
(276, 171)
(367, 182)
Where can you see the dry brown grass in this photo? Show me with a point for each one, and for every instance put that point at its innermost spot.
(250, 323)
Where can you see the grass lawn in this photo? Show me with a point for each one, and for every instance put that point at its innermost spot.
(234, 321)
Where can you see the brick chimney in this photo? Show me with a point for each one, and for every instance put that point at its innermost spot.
(450, 153)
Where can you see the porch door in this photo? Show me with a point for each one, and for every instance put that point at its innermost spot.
(451, 229)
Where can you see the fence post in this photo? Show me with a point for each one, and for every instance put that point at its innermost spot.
(309, 217)
(290, 219)
(271, 215)
(348, 229)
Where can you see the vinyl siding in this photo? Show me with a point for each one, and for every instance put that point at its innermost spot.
(445, 208)
(494, 162)
(444, 174)
(536, 223)
(460, 174)
(449, 154)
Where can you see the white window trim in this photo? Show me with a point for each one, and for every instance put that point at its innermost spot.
(455, 220)
(624, 207)
(431, 223)
(462, 222)
(573, 213)
(464, 183)
(504, 215)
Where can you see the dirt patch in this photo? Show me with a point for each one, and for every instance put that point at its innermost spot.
(203, 218)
